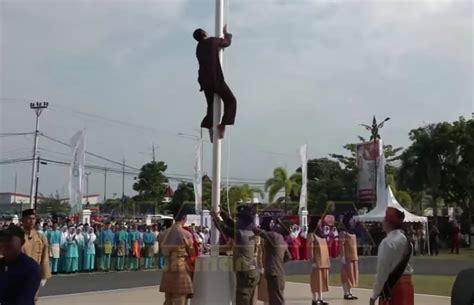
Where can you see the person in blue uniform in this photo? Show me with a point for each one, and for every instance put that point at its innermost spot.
(54, 241)
(106, 242)
(20, 275)
(149, 242)
(135, 244)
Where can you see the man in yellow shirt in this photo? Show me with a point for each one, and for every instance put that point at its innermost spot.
(36, 245)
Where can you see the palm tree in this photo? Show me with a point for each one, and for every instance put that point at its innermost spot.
(239, 194)
(281, 181)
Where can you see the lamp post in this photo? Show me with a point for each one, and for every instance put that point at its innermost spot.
(38, 162)
(38, 108)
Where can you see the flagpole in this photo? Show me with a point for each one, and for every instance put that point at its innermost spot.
(216, 147)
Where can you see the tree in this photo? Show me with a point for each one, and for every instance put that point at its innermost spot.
(53, 205)
(392, 155)
(152, 183)
(457, 184)
(403, 197)
(240, 194)
(426, 163)
(328, 181)
(184, 193)
(281, 181)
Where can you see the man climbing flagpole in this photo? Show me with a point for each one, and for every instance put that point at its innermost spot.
(214, 285)
(211, 80)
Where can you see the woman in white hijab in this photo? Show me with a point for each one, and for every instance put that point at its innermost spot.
(80, 248)
(89, 250)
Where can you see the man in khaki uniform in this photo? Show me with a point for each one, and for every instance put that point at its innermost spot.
(176, 244)
(36, 245)
(244, 251)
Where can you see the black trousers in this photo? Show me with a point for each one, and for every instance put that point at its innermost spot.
(276, 288)
(230, 105)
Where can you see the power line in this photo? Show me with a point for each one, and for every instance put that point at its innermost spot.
(89, 153)
(12, 134)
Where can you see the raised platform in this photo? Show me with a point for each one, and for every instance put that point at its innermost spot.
(295, 294)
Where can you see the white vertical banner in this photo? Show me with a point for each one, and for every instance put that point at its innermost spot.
(304, 175)
(381, 190)
(76, 170)
(197, 182)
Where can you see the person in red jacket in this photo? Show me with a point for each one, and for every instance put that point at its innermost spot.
(197, 250)
(455, 238)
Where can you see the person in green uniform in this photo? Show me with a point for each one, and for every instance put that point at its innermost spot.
(89, 250)
(72, 254)
(135, 241)
(106, 241)
(149, 242)
(121, 245)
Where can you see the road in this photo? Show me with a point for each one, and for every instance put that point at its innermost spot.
(101, 281)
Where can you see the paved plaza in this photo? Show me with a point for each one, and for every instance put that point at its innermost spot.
(296, 294)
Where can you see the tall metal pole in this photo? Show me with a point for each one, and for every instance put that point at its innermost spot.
(153, 151)
(216, 147)
(200, 177)
(37, 182)
(105, 184)
(38, 108)
(123, 185)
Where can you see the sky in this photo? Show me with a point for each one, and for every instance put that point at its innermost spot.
(303, 71)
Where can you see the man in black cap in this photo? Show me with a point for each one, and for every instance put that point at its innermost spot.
(36, 245)
(211, 78)
(20, 275)
(244, 251)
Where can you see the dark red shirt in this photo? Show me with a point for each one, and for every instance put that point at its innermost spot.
(207, 53)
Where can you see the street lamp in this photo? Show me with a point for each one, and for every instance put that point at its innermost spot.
(37, 180)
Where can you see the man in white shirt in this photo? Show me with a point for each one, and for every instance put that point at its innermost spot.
(393, 279)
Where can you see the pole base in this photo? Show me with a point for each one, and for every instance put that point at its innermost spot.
(214, 281)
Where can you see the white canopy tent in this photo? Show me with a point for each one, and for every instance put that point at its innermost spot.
(385, 198)
(389, 200)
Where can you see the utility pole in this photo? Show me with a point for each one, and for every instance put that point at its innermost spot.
(123, 185)
(153, 151)
(38, 162)
(105, 184)
(38, 107)
(14, 194)
(216, 146)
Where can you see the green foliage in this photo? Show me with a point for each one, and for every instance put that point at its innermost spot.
(282, 182)
(328, 181)
(53, 205)
(441, 160)
(151, 184)
(184, 193)
(240, 194)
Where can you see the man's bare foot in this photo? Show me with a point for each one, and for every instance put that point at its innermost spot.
(221, 129)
